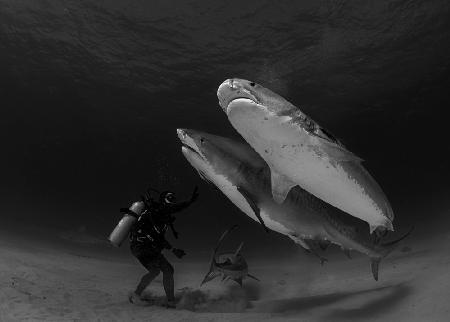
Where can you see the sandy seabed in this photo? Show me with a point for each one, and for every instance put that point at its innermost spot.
(39, 284)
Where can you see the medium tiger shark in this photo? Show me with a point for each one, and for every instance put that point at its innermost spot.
(301, 152)
(233, 267)
(244, 177)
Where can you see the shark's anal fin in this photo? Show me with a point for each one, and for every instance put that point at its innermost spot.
(252, 204)
(281, 185)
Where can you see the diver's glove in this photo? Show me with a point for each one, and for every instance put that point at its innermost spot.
(178, 252)
(194, 194)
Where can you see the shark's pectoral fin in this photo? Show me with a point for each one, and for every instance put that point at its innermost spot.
(281, 185)
(253, 277)
(210, 276)
(299, 241)
(335, 151)
(253, 205)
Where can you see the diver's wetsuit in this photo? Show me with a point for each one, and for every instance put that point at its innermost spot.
(147, 241)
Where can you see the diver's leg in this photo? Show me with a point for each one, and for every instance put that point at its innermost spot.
(168, 282)
(149, 260)
(146, 280)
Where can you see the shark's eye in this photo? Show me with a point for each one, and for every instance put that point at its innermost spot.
(202, 140)
(252, 84)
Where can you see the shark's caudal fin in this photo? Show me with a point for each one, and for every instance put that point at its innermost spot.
(386, 249)
(212, 273)
(281, 185)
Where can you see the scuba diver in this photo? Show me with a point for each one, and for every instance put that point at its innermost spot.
(147, 240)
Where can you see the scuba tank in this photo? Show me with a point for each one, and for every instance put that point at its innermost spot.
(120, 233)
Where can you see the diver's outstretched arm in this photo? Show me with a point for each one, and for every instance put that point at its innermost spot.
(184, 204)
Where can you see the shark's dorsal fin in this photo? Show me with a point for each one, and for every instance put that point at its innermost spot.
(281, 185)
(252, 204)
(238, 249)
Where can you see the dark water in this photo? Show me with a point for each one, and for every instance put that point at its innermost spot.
(92, 92)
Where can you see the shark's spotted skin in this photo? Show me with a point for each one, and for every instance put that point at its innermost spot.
(300, 152)
(234, 167)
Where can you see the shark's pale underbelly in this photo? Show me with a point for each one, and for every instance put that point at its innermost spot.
(292, 152)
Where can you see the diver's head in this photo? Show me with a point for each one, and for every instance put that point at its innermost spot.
(167, 197)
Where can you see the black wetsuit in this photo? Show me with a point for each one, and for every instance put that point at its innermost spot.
(147, 241)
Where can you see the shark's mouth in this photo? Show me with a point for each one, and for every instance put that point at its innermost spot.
(185, 145)
(230, 91)
(188, 142)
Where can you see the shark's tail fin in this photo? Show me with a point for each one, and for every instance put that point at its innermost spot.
(386, 249)
(212, 273)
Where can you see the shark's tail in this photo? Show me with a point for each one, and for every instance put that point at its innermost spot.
(386, 249)
(212, 273)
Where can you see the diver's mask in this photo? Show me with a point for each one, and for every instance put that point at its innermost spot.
(168, 197)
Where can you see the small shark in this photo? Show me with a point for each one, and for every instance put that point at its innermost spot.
(233, 267)
(244, 177)
(301, 152)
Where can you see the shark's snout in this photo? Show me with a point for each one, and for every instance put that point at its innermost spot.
(182, 134)
(234, 88)
(223, 92)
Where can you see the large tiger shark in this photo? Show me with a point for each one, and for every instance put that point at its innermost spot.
(300, 152)
(244, 177)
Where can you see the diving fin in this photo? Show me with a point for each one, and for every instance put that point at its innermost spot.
(252, 204)
(281, 185)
